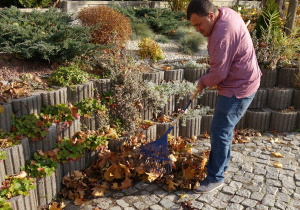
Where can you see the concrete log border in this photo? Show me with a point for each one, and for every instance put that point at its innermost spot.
(209, 98)
(26, 106)
(63, 131)
(258, 119)
(283, 121)
(173, 75)
(79, 92)
(205, 123)
(2, 172)
(45, 144)
(91, 157)
(193, 75)
(192, 127)
(114, 145)
(67, 168)
(15, 157)
(279, 98)
(151, 133)
(169, 108)
(22, 202)
(47, 188)
(269, 78)
(156, 76)
(296, 99)
(183, 102)
(6, 118)
(163, 127)
(55, 97)
(260, 99)
(286, 77)
(147, 112)
(101, 85)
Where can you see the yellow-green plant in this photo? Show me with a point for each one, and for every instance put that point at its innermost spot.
(148, 48)
(178, 5)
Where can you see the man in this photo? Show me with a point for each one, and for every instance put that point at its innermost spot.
(235, 72)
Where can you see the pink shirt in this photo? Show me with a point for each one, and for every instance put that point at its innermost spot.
(233, 64)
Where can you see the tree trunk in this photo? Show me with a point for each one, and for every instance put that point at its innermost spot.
(291, 16)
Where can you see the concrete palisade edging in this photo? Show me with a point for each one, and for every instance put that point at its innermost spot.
(279, 98)
(269, 78)
(15, 157)
(114, 145)
(45, 144)
(283, 121)
(173, 75)
(258, 119)
(47, 188)
(55, 97)
(260, 99)
(169, 108)
(70, 166)
(192, 127)
(6, 118)
(79, 92)
(209, 98)
(205, 123)
(286, 77)
(156, 76)
(101, 85)
(2, 172)
(296, 99)
(147, 112)
(64, 131)
(193, 75)
(150, 133)
(22, 202)
(26, 106)
(161, 129)
(91, 157)
(183, 102)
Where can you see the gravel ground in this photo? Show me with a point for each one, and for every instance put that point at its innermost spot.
(170, 51)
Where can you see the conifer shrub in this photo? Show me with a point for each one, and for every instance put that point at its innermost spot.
(108, 25)
(190, 42)
(43, 35)
(141, 30)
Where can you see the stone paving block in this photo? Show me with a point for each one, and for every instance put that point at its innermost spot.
(236, 184)
(206, 198)
(151, 200)
(288, 182)
(243, 193)
(249, 202)
(208, 207)
(129, 208)
(275, 183)
(116, 208)
(261, 207)
(237, 199)
(234, 206)
(218, 204)
(257, 196)
(156, 207)
(268, 200)
(141, 205)
(253, 186)
(224, 197)
(122, 203)
(280, 205)
(166, 202)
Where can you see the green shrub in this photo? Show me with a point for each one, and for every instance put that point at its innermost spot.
(35, 3)
(148, 48)
(162, 39)
(42, 35)
(108, 25)
(141, 30)
(162, 21)
(69, 75)
(190, 43)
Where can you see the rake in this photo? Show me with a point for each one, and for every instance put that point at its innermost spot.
(155, 155)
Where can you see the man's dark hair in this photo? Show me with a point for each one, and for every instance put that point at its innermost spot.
(200, 7)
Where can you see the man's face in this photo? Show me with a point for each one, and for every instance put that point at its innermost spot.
(203, 24)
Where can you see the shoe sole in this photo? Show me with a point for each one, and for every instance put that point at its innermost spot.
(209, 191)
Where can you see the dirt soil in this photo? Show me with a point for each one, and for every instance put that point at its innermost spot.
(12, 68)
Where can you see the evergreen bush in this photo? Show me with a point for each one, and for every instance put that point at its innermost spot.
(141, 30)
(42, 35)
(108, 25)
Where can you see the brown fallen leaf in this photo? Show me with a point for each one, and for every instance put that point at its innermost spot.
(126, 183)
(171, 185)
(78, 201)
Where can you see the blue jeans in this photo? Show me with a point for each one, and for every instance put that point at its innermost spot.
(227, 114)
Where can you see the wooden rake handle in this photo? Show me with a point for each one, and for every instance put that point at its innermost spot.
(181, 113)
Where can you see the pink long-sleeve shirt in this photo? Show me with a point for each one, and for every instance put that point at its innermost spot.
(233, 64)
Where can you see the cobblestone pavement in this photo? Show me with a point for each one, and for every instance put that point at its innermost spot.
(252, 182)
